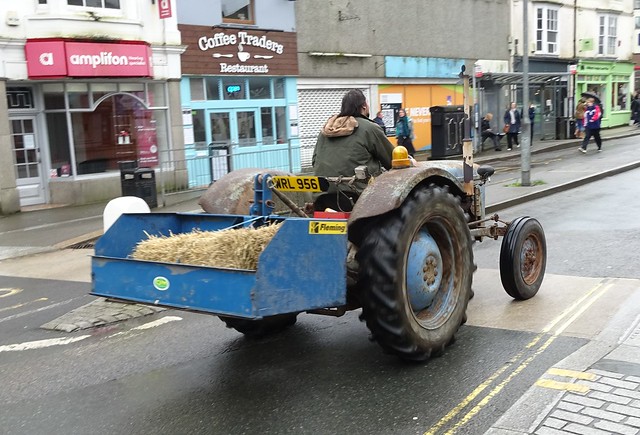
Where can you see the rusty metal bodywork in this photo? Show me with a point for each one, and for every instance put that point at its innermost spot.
(388, 191)
(233, 193)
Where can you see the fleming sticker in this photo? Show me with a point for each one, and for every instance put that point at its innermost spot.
(327, 227)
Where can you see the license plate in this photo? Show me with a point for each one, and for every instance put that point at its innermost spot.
(300, 184)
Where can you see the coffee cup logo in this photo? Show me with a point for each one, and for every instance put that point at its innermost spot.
(242, 55)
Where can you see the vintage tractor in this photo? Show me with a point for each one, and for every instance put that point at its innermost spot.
(403, 254)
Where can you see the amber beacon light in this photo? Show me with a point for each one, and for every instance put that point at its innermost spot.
(400, 158)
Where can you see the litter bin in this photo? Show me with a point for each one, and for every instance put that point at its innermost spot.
(219, 159)
(447, 131)
(140, 182)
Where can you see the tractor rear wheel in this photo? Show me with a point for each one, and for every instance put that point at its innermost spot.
(261, 327)
(523, 258)
(416, 267)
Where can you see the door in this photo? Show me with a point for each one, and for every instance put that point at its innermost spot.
(234, 140)
(26, 147)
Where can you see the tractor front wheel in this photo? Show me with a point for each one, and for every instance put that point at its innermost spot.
(416, 266)
(523, 258)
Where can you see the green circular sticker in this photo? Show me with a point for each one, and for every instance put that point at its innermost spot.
(161, 283)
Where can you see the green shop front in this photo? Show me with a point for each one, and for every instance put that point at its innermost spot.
(613, 82)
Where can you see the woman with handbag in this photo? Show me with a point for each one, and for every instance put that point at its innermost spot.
(512, 120)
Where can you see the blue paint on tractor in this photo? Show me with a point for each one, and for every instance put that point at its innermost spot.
(424, 270)
(299, 269)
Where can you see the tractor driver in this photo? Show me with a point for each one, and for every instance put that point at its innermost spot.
(348, 140)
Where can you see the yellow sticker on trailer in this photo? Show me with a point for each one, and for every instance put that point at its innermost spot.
(297, 184)
(327, 227)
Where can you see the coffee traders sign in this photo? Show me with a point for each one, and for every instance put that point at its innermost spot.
(229, 51)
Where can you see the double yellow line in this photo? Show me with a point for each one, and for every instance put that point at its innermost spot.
(509, 371)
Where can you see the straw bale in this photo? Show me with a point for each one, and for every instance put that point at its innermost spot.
(231, 248)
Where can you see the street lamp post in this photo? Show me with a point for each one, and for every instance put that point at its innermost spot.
(526, 123)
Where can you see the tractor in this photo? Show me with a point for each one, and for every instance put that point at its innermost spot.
(403, 254)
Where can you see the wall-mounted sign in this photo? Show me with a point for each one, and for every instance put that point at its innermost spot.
(46, 59)
(238, 51)
(164, 9)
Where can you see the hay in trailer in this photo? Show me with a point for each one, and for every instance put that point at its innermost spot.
(230, 248)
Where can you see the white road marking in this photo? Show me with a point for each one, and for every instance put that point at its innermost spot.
(158, 322)
(26, 313)
(13, 307)
(40, 344)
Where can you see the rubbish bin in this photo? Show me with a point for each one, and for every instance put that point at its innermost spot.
(140, 182)
(219, 159)
(563, 128)
(447, 131)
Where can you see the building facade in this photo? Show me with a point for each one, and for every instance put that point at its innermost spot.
(408, 55)
(583, 46)
(89, 86)
(238, 88)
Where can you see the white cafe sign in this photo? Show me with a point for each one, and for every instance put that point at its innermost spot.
(245, 44)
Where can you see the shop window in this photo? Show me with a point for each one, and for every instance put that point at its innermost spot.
(78, 95)
(266, 118)
(620, 96)
(278, 88)
(259, 88)
(281, 125)
(233, 88)
(237, 11)
(246, 124)
(59, 150)
(213, 88)
(107, 4)
(196, 89)
(199, 130)
(636, 4)
(637, 22)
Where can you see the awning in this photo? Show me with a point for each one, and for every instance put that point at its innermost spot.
(515, 78)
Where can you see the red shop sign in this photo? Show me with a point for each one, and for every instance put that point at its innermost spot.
(164, 8)
(87, 59)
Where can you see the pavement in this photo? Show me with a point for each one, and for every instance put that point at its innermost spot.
(600, 384)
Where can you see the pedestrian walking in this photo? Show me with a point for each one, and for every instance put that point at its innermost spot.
(404, 131)
(379, 120)
(512, 122)
(592, 119)
(579, 116)
(635, 109)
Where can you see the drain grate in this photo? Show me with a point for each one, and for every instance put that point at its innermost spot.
(86, 244)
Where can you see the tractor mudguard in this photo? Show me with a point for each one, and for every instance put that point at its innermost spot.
(233, 193)
(389, 190)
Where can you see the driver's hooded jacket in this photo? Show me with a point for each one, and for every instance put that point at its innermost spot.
(347, 142)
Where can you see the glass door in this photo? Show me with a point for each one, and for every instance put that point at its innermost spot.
(27, 162)
(220, 145)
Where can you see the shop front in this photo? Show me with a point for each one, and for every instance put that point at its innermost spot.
(613, 82)
(239, 103)
(86, 109)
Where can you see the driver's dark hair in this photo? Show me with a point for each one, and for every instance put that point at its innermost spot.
(352, 102)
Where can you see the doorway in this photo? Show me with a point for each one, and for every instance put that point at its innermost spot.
(27, 161)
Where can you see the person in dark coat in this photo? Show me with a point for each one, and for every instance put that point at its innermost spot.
(592, 119)
(487, 133)
(532, 117)
(404, 132)
(513, 120)
(635, 109)
(379, 120)
(348, 140)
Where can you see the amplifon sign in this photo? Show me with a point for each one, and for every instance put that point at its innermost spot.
(46, 59)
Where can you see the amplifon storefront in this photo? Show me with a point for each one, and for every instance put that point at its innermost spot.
(86, 107)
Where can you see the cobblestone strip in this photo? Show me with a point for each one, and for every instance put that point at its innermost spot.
(610, 406)
(99, 313)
